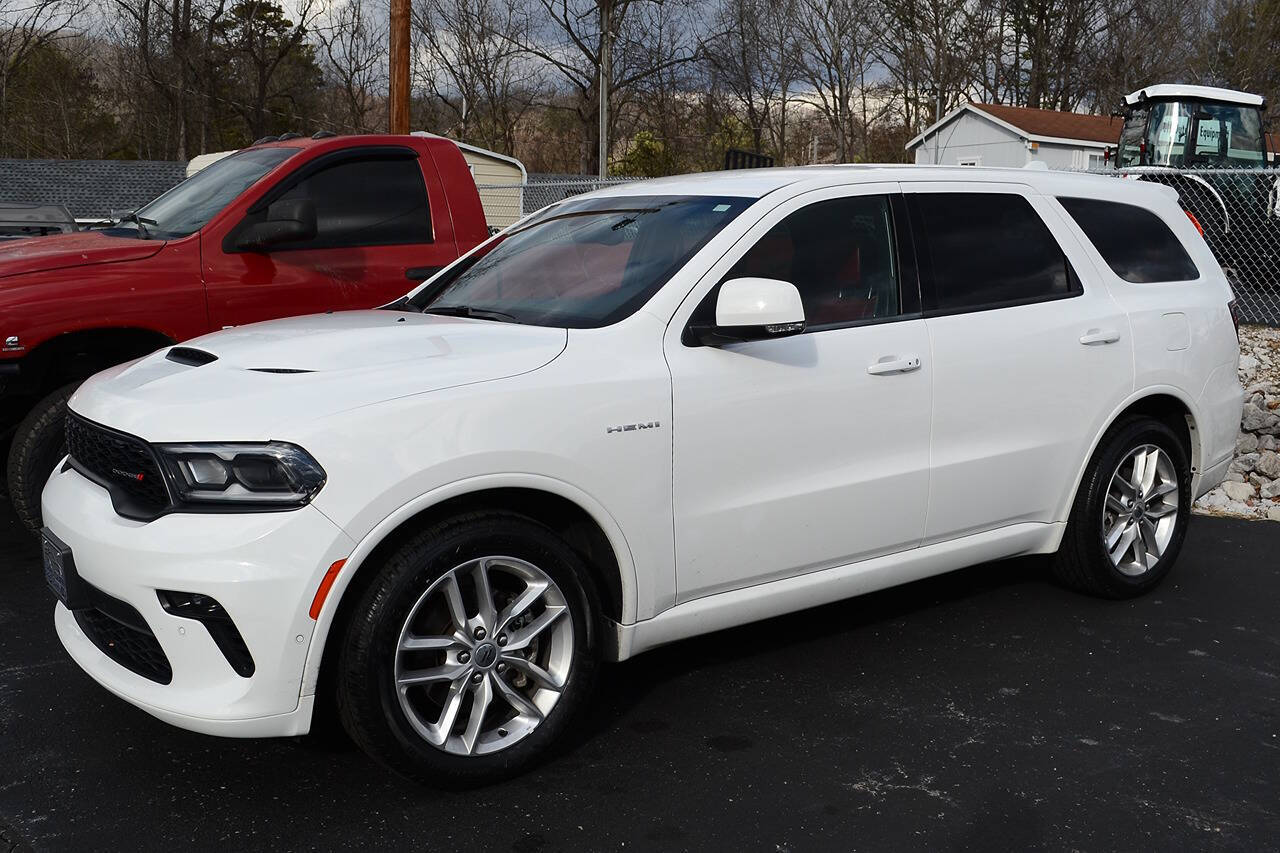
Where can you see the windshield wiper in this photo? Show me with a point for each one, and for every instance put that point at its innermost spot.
(141, 221)
(468, 311)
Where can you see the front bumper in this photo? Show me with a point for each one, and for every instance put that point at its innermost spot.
(263, 568)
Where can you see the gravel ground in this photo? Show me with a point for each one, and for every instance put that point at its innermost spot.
(1252, 487)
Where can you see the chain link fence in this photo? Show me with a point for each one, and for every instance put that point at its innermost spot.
(506, 203)
(1238, 210)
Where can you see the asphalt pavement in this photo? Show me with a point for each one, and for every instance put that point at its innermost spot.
(982, 709)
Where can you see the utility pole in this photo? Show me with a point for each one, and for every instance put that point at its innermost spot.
(937, 131)
(606, 37)
(398, 107)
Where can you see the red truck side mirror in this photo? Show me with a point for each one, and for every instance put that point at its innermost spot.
(288, 221)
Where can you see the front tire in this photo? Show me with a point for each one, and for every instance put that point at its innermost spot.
(38, 443)
(470, 652)
(1130, 514)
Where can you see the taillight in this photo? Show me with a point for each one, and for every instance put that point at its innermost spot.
(1195, 222)
(1235, 316)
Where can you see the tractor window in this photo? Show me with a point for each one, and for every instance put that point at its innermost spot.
(1186, 134)
(1228, 134)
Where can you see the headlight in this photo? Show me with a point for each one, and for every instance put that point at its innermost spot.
(274, 475)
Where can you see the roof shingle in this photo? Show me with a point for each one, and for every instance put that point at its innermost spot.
(1054, 123)
(88, 188)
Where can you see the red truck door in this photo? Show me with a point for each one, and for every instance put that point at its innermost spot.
(382, 226)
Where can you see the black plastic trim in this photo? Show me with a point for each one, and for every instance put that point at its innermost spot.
(217, 621)
(104, 606)
(420, 274)
(190, 356)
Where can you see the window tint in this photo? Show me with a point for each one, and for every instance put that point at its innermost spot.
(1134, 242)
(376, 202)
(989, 250)
(839, 255)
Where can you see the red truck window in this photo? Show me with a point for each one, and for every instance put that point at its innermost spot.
(366, 202)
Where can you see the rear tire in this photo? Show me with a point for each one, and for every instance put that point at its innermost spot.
(1122, 541)
(528, 664)
(38, 443)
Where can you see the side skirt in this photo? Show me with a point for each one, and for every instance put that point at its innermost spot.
(740, 606)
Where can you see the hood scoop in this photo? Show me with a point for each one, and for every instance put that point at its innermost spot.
(190, 356)
(280, 370)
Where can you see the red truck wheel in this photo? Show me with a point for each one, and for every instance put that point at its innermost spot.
(38, 444)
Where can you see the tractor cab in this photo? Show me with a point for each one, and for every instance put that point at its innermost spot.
(1192, 127)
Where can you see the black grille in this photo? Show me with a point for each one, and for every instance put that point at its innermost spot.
(134, 649)
(125, 465)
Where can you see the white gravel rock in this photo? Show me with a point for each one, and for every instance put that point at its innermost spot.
(1245, 462)
(1248, 367)
(1238, 491)
(1268, 464)
(1252, 485)
(1258, 420)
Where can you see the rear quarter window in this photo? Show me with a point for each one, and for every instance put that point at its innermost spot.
(1137, 245)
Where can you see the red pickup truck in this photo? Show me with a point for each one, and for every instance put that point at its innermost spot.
(286, 227)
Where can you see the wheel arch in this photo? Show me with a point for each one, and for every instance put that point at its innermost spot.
(587, 527)
(1165, 403)
(79, 354)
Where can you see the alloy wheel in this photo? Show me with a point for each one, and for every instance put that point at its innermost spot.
(1141, 511)
(484, 655)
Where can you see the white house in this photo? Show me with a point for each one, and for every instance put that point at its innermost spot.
(997, 135)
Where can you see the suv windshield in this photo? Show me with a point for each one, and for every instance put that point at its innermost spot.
(187, 207)
(582, 264)
(1191, 133)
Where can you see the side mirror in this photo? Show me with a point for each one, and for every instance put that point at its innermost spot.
(288, 221)
(753, 309)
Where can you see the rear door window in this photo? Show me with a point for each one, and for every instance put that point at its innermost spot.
(987, 250)
(1136, 244)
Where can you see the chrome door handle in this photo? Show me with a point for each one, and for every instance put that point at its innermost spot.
(890, 364)
(1093, 337)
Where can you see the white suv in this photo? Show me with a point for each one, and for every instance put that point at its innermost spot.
(639, 415)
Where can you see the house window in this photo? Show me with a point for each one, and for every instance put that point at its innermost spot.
(969, 161)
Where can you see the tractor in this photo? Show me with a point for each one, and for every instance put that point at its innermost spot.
(1211, 146)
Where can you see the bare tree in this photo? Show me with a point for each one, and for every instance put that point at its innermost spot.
(837, 41)
(472, 63)
(571, 39)
(26, 26)
(353, 44)
(752, 53)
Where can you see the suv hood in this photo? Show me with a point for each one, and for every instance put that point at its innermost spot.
(79, 249)
(240, 384)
